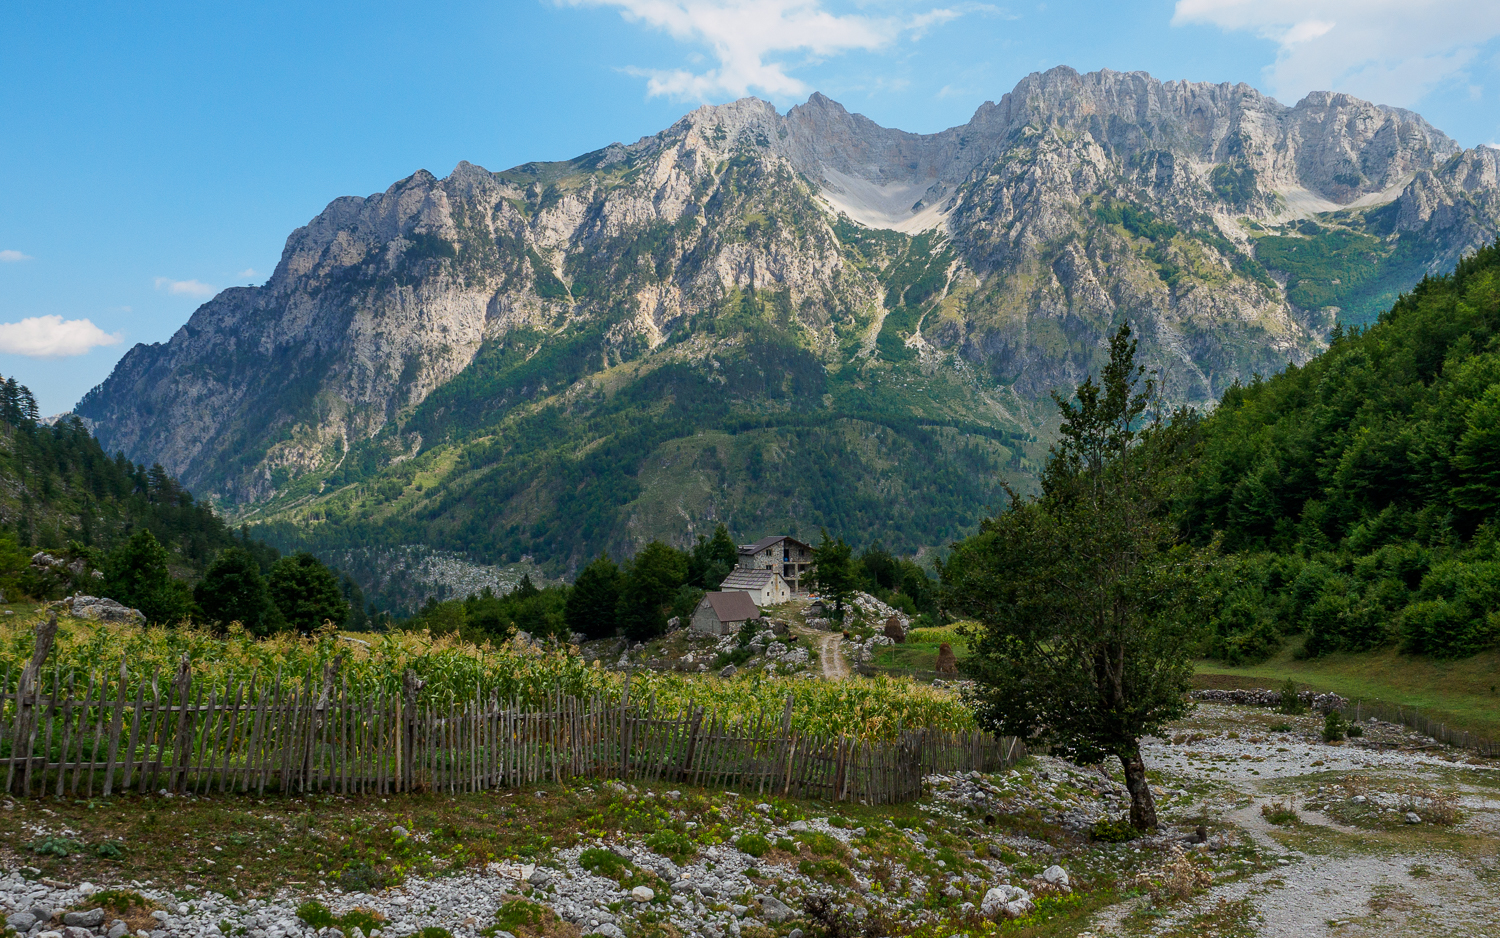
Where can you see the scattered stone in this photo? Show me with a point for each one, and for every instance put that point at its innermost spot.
(728, 671)
(93, 918)
(1413, 817)
(1055, 875)
(1006, 902)
(643, 894)
(401, 832)
(774, 910)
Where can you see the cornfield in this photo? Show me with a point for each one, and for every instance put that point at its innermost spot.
(455, 670)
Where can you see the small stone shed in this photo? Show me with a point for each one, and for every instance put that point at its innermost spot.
(724, 613)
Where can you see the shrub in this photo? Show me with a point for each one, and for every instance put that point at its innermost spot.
(1291, 701)
(674, 845)
(755, 845)
(823, 869)
(1109, 831)
(1334, 727)
(786, 844)
(1178, 878)
(1279, 813)
(362, 877)
(517, 914)
(316, 914)
(605, 863)
(1281, 727)
(1355, 730)
(59, 847)
(821, 844)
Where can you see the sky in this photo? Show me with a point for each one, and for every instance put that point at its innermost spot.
(154, 153)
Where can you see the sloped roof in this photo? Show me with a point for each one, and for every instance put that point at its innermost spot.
(733, 606)
(747, 579)
(765, 542)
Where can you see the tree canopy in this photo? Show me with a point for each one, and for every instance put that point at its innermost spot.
(1084, 599)
(1360, 493)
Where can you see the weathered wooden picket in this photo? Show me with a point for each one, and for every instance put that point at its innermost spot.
(317, 734)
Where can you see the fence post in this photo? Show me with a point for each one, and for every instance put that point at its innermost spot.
(406, 736)
(184, 681)
(25, 703)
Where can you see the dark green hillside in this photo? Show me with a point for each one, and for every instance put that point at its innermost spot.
(1361, 493)
(120, 529)
(60, 488)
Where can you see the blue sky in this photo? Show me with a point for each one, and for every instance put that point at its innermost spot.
(150, 156)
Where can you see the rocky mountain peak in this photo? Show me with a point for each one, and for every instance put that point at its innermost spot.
(745, 267)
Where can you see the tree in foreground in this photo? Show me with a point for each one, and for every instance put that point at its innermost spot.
(1086, 602)
(232, 590)
(833, 573)
(307, 593)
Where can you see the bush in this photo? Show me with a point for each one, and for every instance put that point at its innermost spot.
(1334, 727)
(819, 843)
(605, 863)
(1291, 702)
(316, 914)
(1355, 730)
(1112, 831)
(362, 877)
(755, 845)
(1279, 813)
(59, 847)
(517, 914)
(674, 845)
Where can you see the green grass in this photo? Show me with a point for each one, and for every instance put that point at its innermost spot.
(920, 656)
(1461, 693)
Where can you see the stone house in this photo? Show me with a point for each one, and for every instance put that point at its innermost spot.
(724, 613)
(766, 587)
(787, 556)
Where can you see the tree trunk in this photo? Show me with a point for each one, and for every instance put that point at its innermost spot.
(1142, 805)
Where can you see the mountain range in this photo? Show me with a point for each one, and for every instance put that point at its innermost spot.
(782, 321)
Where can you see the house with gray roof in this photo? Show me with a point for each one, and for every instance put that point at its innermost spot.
(766, 587)
(787, 556)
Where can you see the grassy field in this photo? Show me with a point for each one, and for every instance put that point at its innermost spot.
(1464, 693)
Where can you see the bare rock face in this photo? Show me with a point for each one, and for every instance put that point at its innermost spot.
(992, 260)
(101, 609)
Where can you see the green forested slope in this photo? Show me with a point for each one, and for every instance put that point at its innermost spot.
(1360, 494)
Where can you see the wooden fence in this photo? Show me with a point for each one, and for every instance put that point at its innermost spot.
(318, 735)
(1414, 718)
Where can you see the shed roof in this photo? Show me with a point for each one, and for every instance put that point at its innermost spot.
(733, 606)
(747, 579)
(765, 542)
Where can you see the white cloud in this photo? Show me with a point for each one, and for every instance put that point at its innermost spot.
(185, 287)
(747, 37)
(52, 337)
(247, 272)
(10, 257)
(1387, 51)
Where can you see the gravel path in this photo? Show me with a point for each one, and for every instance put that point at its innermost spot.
(831, 653)
(1331, 879)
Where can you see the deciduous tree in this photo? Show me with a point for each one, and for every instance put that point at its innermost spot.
(1086, 603)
